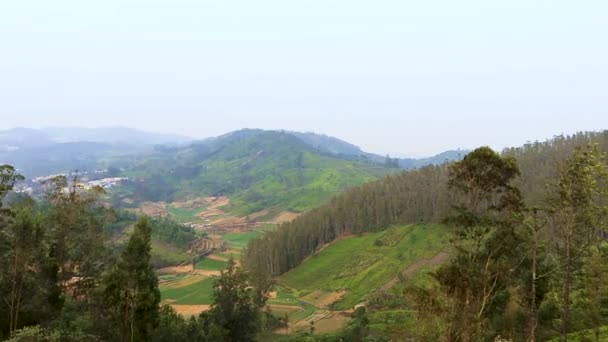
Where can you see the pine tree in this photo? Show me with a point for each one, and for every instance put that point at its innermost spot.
(577, 209)
(131, 288)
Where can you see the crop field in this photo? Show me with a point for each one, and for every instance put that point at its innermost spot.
(239, 241)
(358, 265)
(184, 215)
(195, 293)
(211, 265)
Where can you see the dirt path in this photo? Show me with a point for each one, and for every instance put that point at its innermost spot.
(436, 260)
(190, 310)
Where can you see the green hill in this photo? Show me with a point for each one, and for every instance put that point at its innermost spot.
(256, 169)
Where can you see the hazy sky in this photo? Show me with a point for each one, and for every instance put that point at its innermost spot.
(406, 77)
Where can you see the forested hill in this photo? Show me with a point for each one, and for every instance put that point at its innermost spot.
(256, 169)
(409, 197)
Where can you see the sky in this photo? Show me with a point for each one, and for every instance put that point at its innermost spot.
(405, 77)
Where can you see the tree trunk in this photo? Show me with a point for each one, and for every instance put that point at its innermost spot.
(532, 315)
(566, 293)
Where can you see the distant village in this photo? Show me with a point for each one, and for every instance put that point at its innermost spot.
(87, 180)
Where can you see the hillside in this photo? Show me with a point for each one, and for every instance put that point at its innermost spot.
(257, 170)
(380, 257)
(417, 196)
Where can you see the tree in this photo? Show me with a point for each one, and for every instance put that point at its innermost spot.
(8, 178)
(536, 270)
(131, 291)
(75, 227)
(484, 238)
(595, 287)
(21, 284)
(234, 308)
(577, 211)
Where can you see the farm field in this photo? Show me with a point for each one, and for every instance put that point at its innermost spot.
(192, 290)
(326, 288)
(211, 264)
(380, 257)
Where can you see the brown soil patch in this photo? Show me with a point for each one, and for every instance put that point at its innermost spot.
(284, 217)
(285, 309)
(208, 273)
(229, 221)
(183, 269)
(190, 310)
(216, 257)
(332, 323)
(154, 209)
(257, 215)
(183, 282)
(217, 202)
(199, 202)
(322, 299)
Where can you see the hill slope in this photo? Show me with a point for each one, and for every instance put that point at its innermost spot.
(410, 197)
(256, 169)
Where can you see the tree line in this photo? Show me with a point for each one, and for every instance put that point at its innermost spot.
(417, 196)
(520, 272)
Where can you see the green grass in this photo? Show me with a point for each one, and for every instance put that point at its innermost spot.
(360, 264)
(212, 265)
(285, 297)
(184, 215)
(196, 294)
(240, 240)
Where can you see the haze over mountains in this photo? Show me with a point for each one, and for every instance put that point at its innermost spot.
(62, 149)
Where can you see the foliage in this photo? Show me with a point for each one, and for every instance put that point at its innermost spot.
(234, 308)
(130, 292)
(257, 170)
(335, 269)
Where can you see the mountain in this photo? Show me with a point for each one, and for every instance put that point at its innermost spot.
(344, 149)
(329, 144)
(257, 169)
(20, 137)
(441, 158)
(39, 152)
(113, 135)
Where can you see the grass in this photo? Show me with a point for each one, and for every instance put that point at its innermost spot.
(164, 254)
(240, 240)
(212, 265)
(392, 323)
(199, 293)
(184, 215)
(285, 297)
(361, 264)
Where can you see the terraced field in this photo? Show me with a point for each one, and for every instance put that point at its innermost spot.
(325, 289)
(356, 266)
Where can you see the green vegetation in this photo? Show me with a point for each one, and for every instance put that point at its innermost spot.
(211, 264)
(199, 293)
(258, 170)
(239, 241)
(183, 215)
(164, 255)
(336, 269)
